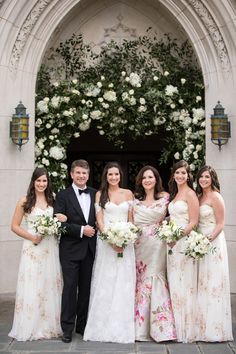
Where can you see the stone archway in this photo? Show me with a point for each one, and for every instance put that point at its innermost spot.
(24, 37)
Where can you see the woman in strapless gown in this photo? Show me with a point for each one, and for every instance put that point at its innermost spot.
(182, 270)
(214, 308)
(111, 306)
(38, 294)
(153, 312)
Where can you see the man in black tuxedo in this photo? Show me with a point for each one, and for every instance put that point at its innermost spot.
(77, 248)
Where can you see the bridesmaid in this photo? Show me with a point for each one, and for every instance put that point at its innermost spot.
(214, 310)
(153, 311)
(182, 270)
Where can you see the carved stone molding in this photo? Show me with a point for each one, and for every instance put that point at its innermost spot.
(119, 31)
(25, 31)
(213, 31)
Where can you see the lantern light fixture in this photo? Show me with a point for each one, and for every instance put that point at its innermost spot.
(19, 126)
(220, 126)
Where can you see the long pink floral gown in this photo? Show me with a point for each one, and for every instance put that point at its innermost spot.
(214, 309)
(153, 312)
(38, 294)
(182, 278)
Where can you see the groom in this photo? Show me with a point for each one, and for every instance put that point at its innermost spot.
(77, 248)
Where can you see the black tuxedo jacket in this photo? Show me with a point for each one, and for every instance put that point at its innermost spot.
(72, 245)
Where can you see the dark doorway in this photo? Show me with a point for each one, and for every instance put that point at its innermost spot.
(97, 150)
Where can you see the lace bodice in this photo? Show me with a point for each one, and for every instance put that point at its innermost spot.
(179, 212)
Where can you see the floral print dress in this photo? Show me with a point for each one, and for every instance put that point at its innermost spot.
(39, 286)
(153, 312)
(213, 300)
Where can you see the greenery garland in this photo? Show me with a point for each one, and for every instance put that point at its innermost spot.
(138, 87)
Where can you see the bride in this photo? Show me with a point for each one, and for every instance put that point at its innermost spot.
(111, 307)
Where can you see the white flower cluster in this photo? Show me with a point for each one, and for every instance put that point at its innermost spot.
(45, 225)
(198, 245)
(169, 231)
(120, 233)
(56, 152)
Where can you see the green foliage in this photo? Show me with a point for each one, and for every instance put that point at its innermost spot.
(131, 88)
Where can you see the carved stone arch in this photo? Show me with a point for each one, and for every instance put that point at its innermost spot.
(195, 18)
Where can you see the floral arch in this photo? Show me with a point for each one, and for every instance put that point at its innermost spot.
(135, 88)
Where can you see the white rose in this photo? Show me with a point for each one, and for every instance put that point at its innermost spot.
(110, 96)
(142, 100)
(183, 81)
(76, 135)
(155, 78)
(166, 73)
(134, 79)
(177, 156)
(54, 174)
(75, 81)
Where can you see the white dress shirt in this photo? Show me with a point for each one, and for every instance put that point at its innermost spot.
(84, 201)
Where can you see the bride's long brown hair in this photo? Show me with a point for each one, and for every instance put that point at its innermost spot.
(105, 185)
(31, 196)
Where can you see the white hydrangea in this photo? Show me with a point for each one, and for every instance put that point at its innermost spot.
(142, 100)
(170, 90)
(110, 96)
(84, 125)
(135, 80)
(57, 153)
(55, 101)
(96, 114)
(54, 174)
(55, 131)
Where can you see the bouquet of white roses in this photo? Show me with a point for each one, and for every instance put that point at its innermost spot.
(120, 234)
(46, 225)
(198, 245)
(169, 232)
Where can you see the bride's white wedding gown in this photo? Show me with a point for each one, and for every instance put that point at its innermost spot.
(111, 308)
(38, 294)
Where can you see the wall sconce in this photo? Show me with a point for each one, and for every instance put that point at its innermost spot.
(19, 126)
(220, 127)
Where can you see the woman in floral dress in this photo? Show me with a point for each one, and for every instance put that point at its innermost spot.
(214, 309)
(153, 311)
(38, 294)
(181, 269)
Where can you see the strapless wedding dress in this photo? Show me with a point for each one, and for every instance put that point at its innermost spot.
(182, 278)
(111, 306)
(214, 309)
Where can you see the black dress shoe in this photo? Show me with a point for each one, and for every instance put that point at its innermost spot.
(66, 337)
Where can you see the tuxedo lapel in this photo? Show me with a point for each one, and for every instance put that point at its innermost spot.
(91, 210)
(75, 203)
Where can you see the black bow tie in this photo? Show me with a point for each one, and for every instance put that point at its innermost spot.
(83, 191)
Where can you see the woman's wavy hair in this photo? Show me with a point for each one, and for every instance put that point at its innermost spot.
(215, 184)
(31, 196)
(173, 189)
(105, 185)
(140, 191)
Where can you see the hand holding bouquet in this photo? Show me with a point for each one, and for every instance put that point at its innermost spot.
(198, 245)
(46, 225)
(170, 232)
(120, 234)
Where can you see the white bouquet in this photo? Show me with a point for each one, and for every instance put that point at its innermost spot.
(169, 232)
(120, 234)
(46, 225)
(198, 245)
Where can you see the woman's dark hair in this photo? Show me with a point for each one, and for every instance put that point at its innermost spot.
(173, 189)
(31, 196)
(215, 185)
(105, 185)
(139, 190)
